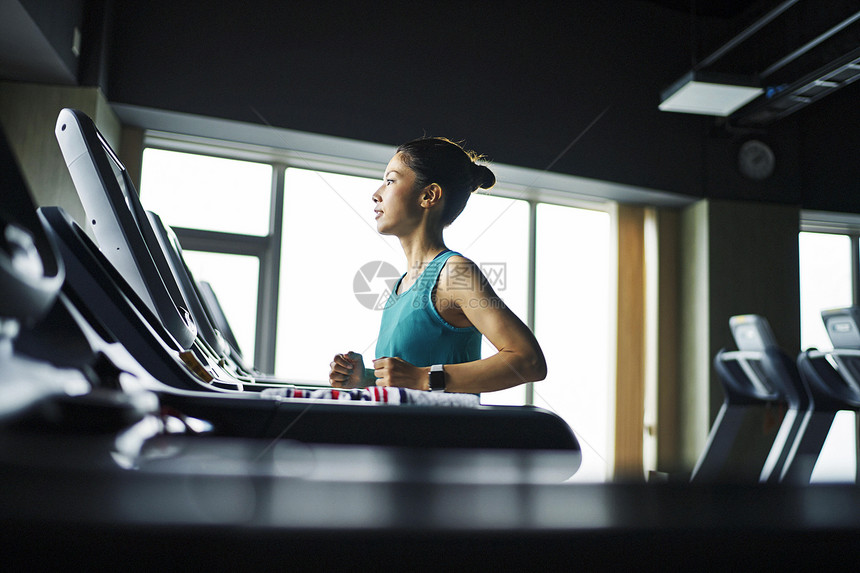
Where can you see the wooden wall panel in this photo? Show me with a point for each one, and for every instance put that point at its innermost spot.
(630, 365)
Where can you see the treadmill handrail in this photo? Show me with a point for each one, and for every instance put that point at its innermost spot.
(753, 388)
(834, 382)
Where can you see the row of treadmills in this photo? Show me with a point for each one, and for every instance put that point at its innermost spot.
(808, 393)
(104, 338)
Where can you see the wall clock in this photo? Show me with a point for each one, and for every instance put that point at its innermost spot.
(756, 160)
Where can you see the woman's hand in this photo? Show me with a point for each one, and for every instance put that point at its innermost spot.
(347, 371)
(398, 372)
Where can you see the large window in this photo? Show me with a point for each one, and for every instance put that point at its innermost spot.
(293, 248)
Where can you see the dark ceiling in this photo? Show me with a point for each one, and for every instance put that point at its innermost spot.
(727, 9)
(515, 80)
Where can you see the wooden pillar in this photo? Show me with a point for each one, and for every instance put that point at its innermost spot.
(630, 357)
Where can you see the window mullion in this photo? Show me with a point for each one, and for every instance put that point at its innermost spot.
(532, 273)
(269, 280)
(855, 268)
(218, 242)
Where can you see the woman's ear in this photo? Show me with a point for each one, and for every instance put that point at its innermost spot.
(431, 195)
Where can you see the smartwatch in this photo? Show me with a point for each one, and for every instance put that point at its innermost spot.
(437, 378)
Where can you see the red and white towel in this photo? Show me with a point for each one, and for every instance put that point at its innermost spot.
(380, 394)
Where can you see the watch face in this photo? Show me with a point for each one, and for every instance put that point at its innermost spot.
(437, 378)
(756, 160)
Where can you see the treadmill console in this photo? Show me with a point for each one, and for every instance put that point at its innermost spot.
(841, 325)
(752, 332)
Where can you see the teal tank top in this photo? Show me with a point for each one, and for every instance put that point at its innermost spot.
(413, 330)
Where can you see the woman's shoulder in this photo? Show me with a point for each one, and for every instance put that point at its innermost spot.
(458, 264)
(458, 259)
(459, 273)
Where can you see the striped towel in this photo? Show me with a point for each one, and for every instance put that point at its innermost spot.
(380, 394)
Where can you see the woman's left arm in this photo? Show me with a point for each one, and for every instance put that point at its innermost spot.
(519, 358)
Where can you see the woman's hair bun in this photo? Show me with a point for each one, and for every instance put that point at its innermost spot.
(482, 177)
(444, 162)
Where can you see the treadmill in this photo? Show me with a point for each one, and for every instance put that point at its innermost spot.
(834, 379)
(758, 375)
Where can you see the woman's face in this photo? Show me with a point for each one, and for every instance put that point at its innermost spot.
(397, 206)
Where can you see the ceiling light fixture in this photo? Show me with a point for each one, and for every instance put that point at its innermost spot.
(708, 93)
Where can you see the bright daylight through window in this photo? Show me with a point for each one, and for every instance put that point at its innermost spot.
(202, 192)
